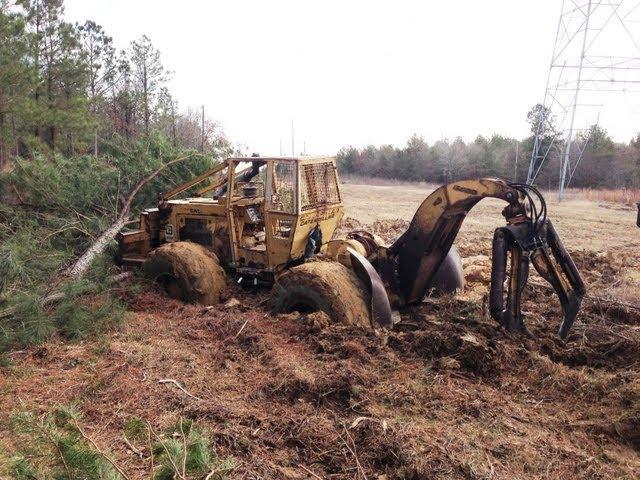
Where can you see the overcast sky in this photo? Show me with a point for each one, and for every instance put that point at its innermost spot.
(348, 72)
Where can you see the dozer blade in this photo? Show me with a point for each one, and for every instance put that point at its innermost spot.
(381, 315)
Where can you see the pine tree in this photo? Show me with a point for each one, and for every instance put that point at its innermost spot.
(149, 75)
(15, 77)
(60, 89)
(100, 53)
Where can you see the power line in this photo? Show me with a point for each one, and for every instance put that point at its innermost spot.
(587, 40)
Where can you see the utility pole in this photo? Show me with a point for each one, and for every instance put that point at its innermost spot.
(202, 132)
(515, 168)
(280, 147)
(293, 150)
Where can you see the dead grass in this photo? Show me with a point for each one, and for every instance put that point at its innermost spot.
(447, 395)
(625, 197)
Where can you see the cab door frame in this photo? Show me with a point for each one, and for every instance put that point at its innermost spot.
(278, 245)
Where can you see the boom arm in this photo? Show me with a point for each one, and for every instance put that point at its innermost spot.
(423, 247)
(183, 187)
(414, 258)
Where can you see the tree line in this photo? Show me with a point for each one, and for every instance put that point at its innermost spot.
(66, 88)
(603, 163)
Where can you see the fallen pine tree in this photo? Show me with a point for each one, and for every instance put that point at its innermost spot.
(58, 218)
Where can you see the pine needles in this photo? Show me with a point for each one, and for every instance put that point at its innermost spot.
(51, 210)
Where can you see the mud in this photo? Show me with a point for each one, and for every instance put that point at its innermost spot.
(188, 271)
(327, 286)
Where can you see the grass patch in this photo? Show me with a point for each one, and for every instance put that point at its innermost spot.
(57, 445)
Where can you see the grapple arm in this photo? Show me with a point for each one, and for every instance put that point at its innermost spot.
(410, 264)
(420, 251)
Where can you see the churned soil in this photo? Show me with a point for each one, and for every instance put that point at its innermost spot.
(447, 394)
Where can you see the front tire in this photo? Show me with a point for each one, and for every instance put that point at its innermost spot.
(187, 271)
(323, 286)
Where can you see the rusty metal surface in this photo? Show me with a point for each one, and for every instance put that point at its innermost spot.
(381, 315)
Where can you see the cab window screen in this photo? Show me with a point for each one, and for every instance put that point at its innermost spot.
(319, 185)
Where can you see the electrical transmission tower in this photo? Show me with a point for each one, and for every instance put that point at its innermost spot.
(595, 64)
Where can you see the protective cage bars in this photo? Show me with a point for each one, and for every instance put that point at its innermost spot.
(319, 185)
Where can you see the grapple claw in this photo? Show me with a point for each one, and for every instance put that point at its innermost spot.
(519, 244)
(554, 264)
(508, 313)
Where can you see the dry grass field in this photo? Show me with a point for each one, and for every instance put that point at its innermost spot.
(447, 395)
(593, 225)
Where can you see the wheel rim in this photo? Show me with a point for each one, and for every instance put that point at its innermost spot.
(302, 304)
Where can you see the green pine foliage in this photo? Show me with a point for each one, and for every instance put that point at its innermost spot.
(80, 126)
(56, 446)
(196, 461)
(56, 449)
(56, 206)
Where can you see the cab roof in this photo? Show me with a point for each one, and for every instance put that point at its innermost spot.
(300, 159)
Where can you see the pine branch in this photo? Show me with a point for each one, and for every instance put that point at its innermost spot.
(92, 442)
(82, 264)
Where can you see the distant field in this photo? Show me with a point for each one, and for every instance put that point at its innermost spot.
(628, 197)
(590, 224)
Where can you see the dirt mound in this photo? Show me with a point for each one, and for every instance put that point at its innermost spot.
(388, 230)
(347, 224)
(597, 268)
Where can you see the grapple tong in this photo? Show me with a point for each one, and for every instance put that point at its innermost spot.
(530, 237)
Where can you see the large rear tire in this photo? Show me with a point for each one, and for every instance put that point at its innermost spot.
(187, 271)
(323, 286)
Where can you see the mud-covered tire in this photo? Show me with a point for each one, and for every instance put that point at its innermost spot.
(323, 286)
(187, 271)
